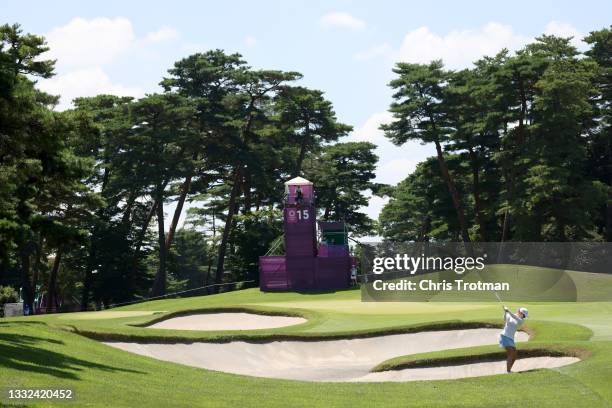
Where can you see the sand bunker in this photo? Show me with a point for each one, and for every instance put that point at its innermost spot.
(339, 360)
(467, 370)
(227, 321)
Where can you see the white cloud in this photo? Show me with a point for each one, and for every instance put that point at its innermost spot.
(395, 163)
(395, 170)
(162, 35)
(84, 48)
(370, 130)
(86, 43)
(561, 29)
(84, 82)
(250, 41)
(458, 48)
(341, 20)
(373, 209)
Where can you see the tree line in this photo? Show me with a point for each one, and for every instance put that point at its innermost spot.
(83, 191)
(523, 153)
(523, 146)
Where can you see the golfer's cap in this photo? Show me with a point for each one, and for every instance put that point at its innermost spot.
(524, 311)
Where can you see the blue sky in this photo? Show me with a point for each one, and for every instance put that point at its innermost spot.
(345, 48)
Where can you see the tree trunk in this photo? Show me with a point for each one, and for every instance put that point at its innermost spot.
(257, 201)
(303, 147)
(27, 292)
(609, 221)
(232, 201)
(453, 192)
(139, 239)
(609, 216)
(424, 231)
(177, 211)
(504, 227)
(143, 230)
(246, 187)
(513, 167)
(214, 225)
(52, 290)
(38, 264)
(523, 115)
(476, 192)
(87, 280)
(210, 255)
(207, 277)
(128, 207)
(226, 230)
(91, 264)
(159, 285)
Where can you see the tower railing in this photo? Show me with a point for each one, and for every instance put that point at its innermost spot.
(291, 200)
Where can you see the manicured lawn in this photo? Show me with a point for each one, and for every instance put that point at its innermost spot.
(42, 352)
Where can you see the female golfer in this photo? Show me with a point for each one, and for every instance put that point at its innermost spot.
(506, 338)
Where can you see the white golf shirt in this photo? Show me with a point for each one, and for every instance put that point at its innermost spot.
(513, 322)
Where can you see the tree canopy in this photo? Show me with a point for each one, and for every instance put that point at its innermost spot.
(81, 189)
(522, 142)
(523, 152)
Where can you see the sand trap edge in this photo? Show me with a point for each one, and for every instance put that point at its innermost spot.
(471, 370)
(227, 321)
(317, 365)
(450, 361)
(213, 310)
(225, 337)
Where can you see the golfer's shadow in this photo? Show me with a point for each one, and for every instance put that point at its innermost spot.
(32, 354)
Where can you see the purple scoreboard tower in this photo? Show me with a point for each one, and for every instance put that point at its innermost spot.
(304, 267)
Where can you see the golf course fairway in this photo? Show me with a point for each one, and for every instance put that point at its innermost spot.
(67, 351)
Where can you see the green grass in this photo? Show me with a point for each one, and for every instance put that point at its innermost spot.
(45, 352)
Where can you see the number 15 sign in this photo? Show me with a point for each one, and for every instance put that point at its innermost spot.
(295, 215)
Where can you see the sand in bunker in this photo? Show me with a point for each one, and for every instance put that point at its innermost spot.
(227, 321)
(329, 360)
(467, 370)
